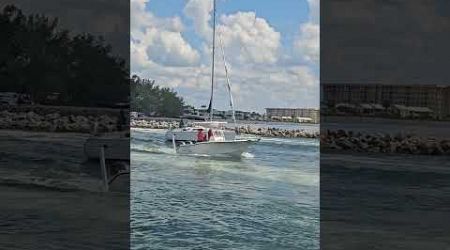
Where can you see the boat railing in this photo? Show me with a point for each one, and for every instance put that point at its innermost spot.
(210, 124)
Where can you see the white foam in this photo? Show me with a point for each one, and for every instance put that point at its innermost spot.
(248, 155)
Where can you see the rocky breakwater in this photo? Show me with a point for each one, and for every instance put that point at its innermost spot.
(57, 122)
(152, 124)
(276, 132)
(342, 140)
(265, 132)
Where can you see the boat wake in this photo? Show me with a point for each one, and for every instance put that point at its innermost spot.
(248, 155)
(61, 181)
(153, 150)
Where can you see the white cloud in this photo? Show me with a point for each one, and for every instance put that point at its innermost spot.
(281, 86)
(249, 39)
(141, 19)
(307, 45)
(314, 11)
(200, 13)
(253, 49)
(169, 48)
(160, 39)
(246, 38)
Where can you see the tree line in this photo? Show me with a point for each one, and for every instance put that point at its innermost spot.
(38, 58)
(148, 98)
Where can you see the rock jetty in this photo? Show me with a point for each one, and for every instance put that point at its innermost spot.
(57, 122)
(276, 132)
(266, 132)
(342, 140)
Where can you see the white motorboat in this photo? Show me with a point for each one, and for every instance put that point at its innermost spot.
(211, 137)
(191, 132)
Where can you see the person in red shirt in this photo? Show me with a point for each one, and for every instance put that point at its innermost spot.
(201, 136)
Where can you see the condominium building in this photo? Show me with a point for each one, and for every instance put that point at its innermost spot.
(294, 113)
(433, 97)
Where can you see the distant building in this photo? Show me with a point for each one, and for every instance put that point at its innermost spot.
(240, 115)
(293, 114)
(191, 112)
(419, 100)
(255, 116)
(218, 114)
(13, 98)
(9, 98)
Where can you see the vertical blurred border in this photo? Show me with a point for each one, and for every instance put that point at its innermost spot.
(64, 124)
(385, 116)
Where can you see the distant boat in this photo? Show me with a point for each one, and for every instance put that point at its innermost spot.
(210, 137)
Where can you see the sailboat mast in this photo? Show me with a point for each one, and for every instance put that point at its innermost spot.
(228, 80)
(211, 109)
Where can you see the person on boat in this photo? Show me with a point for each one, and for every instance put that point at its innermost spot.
(181, 123)
(201, 136)
(210, 134)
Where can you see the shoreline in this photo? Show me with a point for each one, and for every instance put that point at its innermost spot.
(265, 132)
(400, 143)
(61, 119)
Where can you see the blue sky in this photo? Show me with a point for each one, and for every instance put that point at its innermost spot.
(273, 57)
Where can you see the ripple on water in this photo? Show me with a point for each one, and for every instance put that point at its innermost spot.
(267, 200)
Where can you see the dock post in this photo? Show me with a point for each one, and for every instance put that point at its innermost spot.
(174, 145)
(103, 168)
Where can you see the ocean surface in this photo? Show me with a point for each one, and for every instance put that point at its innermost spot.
(382, 201)
(49, 193)
(267, 200)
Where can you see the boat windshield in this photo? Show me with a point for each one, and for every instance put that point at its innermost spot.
(211, 124)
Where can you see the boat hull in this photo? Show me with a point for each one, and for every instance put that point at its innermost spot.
(218, 148)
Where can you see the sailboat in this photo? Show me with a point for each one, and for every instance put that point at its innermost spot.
(211, 138)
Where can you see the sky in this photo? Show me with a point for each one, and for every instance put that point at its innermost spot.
(385, 41)
(271, 49)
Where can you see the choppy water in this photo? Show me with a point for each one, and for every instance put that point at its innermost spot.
(53, 160)
(51, 196)
(267, 200)
(380, 201)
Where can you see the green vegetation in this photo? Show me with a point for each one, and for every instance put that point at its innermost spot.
(149, 98)
(38, 58)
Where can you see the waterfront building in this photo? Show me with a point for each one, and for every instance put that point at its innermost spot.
(412, 100)
(293, 114)
(218, 114)
(189, 110)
